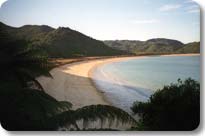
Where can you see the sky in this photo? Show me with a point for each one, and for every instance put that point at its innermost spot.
(110, 19)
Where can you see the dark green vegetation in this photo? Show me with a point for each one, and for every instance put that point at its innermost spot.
(25, 105)
(154, 46)
(21, 62)
(61, 42)
(175, 107)
(30, 109)
(92, 113)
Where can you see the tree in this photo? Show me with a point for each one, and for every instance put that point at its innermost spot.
(35, 110)
(25, 107)
(175, 107)
(22, 62)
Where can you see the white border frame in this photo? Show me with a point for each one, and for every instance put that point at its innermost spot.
(200, 131)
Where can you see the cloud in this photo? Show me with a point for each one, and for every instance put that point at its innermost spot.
(189, 1)
(193, 11)
(170, 7)
(150, 21)
(192, 7)
(2, 1)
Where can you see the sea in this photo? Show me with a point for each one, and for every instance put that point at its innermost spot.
(122, 83)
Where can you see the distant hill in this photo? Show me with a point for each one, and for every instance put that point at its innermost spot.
(154, 46)
(61, 42)
(193, 47)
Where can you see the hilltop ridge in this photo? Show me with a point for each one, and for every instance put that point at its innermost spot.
(154, 46)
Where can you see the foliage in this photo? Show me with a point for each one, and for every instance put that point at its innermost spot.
(92, 113)
(31, 109)
(28, 109)
(22, 62)
(175, 107)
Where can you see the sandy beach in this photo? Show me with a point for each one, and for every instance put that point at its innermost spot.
(72, 82)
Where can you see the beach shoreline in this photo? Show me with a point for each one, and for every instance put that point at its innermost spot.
(73, 82)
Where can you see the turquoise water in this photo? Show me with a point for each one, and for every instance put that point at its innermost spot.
(127, 81)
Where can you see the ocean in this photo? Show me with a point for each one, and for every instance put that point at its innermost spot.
(125, 82)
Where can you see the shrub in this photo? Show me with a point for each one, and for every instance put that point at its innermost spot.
(175, 107)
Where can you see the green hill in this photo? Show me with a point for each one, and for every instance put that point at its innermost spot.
(154, 46)
(193, 47)
(61, 42)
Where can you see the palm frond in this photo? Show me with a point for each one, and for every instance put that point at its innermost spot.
(66, 118)
(92, 113)
(103, 112)
(64, 105)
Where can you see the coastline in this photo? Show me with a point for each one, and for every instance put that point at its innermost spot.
(73, 82)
